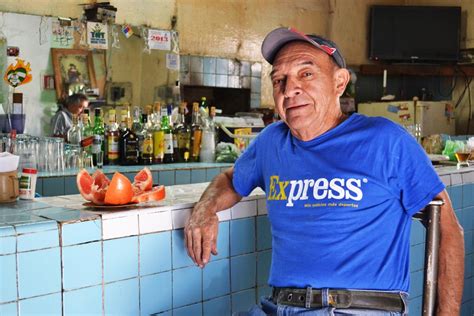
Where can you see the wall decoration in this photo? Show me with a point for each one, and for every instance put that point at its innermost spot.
(62, 35)
(127, 30)
(97, 35)
(18, 74)
(73, 71)
(158, 39)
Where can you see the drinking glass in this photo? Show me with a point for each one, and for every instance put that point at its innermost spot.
(100, 159)
(462, 155)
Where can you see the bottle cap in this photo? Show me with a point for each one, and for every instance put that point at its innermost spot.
(30, 170)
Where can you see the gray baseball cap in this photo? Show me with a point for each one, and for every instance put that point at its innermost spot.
(277, 38)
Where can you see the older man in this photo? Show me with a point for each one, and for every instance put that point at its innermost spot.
(61, 122)
(341, 192)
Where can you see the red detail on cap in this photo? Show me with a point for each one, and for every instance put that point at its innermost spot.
(327, 49)
(30, 170)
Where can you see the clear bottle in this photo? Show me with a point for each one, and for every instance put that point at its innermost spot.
(112, 136)
(208, 142)
(128, 143)
(168, 156)
(146, 148)
(87, 133)
(98, 139)
(137, 123)
(196, 133)
(204, 104)
(158, 135)
(74, 134)
(182, 136)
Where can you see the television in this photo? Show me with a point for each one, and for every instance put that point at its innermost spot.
(415, 34)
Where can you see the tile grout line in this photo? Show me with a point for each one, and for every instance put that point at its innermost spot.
(102, 261)
(139, 274)
(17, 268)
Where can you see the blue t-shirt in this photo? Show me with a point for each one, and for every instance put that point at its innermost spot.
(340, 205)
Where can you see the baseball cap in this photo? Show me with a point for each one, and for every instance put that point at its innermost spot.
(277, 38)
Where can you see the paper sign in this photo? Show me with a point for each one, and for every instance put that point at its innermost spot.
(172, 61)
(97, 35)
(62, 36)
(159, 39)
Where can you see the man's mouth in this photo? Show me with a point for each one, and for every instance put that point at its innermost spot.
(295, 106)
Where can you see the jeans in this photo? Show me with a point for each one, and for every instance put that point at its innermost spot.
(270, 308)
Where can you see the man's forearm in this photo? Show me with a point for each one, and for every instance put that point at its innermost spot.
(220, 193)
(450, 263)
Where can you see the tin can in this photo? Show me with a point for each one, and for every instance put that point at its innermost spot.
(28, 183)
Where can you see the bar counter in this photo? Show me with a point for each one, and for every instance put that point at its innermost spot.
(58, 257)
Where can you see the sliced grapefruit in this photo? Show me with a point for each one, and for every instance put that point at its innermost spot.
(155, 194)
(120, 190)
(143, 181)
(99, 187)
(84, 183)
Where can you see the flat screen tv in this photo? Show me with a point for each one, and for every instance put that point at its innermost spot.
(415, 33)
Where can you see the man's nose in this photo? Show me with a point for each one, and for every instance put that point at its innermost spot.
(292, 88)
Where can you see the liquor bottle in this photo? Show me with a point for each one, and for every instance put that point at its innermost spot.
(204, 104)
(146, 149)
(112, 136)
(168, 156)
(158, 135)
(128, 142)
(74, 134)
(208, 142)
(137, 124)
(182, 136)
(196, 133)
(87, 133)
(98, 139)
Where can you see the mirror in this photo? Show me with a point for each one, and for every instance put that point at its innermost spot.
(127, 72)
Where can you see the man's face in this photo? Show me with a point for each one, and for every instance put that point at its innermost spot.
(78, 108)
(306, 89)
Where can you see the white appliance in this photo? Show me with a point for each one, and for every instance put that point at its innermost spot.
(433, 117)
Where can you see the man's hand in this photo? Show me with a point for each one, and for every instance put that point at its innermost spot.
(200, 234)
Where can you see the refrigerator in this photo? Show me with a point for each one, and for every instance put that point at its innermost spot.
(430, 117)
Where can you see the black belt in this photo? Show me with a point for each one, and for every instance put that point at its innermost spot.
(312, 298)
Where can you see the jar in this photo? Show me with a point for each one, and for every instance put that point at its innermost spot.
(28, 183)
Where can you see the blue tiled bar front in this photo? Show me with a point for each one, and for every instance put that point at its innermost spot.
(59, 258)
(64, 183)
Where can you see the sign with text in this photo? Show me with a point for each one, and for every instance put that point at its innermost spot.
(97, 35)
(158, 39)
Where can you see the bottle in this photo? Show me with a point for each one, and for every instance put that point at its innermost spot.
(182, 136)
(212, 123)
(158, 135)
(74, 134)
(146, 148)
(128, 143)
(204, 105)
(176, 93)
(196, 133)
(98, 139)
(87, 133)
(208, 142)
(113, 136)
(168, 156)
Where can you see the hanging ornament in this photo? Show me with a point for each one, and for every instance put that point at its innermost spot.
(115, 36)
(127, 30)
(146, 49)
(18, 74)
(174, 42)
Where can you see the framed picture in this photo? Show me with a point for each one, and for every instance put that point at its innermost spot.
(73, 71)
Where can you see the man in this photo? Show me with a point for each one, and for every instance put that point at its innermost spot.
(341, 192)
(61, 122)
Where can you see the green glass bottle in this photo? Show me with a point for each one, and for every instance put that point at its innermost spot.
(168, 156)
(98, 132)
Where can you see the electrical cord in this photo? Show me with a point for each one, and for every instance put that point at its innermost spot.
(448, 95)
(470, 107)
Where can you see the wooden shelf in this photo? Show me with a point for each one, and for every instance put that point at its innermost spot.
(417, 70)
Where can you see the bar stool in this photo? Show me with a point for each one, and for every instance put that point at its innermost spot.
(430, 217)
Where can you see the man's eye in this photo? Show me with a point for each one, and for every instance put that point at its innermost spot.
(307, 74)
(277, 81)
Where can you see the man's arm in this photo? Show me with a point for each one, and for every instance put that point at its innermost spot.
(451, 260)
(200, 232)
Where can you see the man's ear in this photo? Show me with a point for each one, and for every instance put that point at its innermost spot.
(342, 77)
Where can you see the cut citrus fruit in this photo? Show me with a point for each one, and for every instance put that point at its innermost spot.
(143, 181)
(120, 190)
(155, 194)
(84, 183)
(99, 187)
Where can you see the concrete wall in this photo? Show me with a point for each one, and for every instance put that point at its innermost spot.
(235, 28)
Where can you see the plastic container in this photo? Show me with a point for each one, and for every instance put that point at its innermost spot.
(28, 183)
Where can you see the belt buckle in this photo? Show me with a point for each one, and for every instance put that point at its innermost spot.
(340, 300)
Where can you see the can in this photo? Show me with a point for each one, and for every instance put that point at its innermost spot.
(28, 183)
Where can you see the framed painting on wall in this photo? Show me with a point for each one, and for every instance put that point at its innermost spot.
(73, 71)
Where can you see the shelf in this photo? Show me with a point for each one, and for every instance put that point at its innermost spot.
(417, 70)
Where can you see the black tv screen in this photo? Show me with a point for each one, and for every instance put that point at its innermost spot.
(414, 33)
